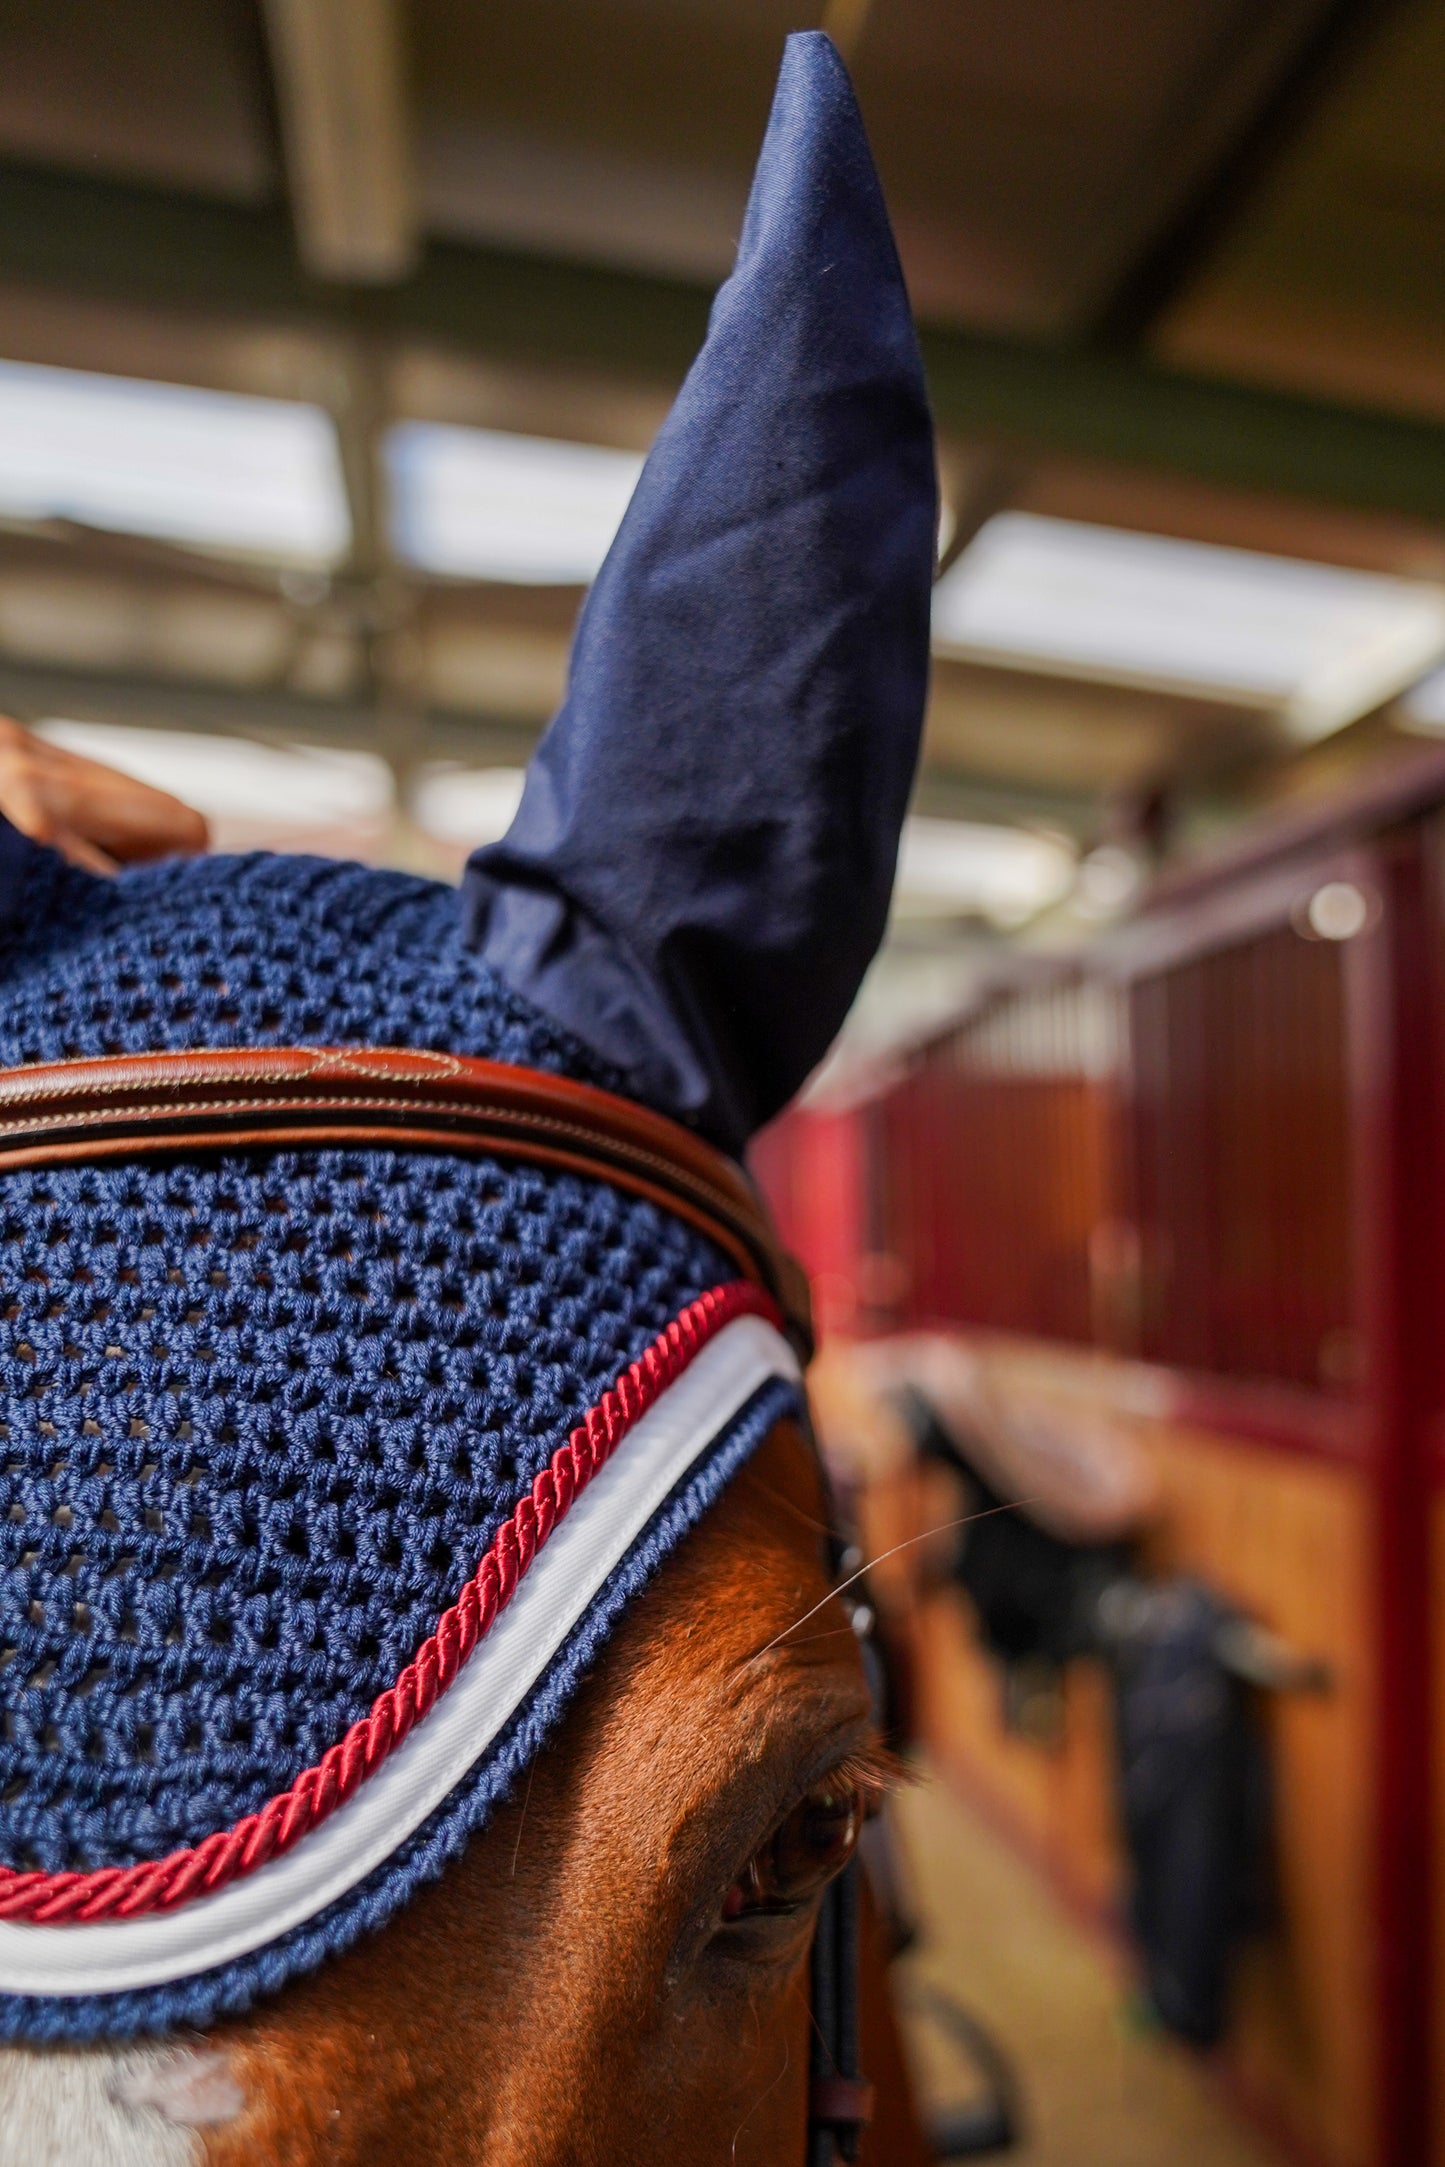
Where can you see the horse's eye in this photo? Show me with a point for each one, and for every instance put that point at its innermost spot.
(815, 1842)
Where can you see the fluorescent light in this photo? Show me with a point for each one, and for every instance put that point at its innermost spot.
(209, 468)
(1337, 911)
(972, 868)
(1321, 643)
(284, 787)
(467, 806)
(1108, 881)
(485, 504)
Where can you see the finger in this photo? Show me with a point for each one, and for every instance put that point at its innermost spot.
(45, 790)
(127, 819)
(78, 850)
(22, 803)
(143, 823)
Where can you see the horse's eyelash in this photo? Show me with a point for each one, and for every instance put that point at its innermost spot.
(874, 1770)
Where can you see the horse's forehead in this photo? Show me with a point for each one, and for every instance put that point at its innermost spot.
(710, 1654)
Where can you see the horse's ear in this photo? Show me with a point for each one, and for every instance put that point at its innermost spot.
(700, 871)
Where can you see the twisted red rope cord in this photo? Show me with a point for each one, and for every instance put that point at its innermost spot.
(124, 1892)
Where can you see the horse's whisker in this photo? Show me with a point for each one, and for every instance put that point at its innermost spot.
(764, 2095)
(1015, 1504)
(786, 1504)
(522, 1820)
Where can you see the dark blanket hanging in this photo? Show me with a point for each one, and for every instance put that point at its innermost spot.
(1192, 1774)
(1035, 1598)
(1193, 1786)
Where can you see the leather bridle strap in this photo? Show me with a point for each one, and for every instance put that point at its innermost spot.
(840, 2101)
(181, 1104)
(840, 2098)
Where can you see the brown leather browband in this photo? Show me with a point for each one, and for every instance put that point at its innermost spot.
(180, 1103)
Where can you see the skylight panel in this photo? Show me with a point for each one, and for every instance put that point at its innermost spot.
(466, 806)
(486, 504)
(235, 779)
(1320, 642)
(979, 869)
(209, 469)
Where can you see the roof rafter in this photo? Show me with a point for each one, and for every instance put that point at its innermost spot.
(159, 251)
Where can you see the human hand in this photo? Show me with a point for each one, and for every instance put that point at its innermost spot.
(93, 816)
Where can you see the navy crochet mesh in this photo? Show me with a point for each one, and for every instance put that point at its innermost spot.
(255, 951)
(263, 1414)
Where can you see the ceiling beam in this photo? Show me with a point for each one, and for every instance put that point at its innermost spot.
(1267, 128)
(341, 92)
(845, 22)
(1108, 407)
(36, 692)
(161, 252)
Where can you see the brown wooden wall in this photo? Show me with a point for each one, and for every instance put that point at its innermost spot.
(1206, 1172)
(1286, 1535)
(1239, 1151)
(998, 1168)
(1159, 1162)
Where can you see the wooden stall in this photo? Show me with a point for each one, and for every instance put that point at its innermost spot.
(1195, 1179)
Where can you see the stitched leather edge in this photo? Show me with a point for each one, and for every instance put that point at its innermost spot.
(177, 1104)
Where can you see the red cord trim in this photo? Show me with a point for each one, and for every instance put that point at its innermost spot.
(125, 1892)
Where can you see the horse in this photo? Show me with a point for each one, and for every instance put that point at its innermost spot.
(363, 1227)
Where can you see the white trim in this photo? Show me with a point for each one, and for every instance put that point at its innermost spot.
(114, 1956)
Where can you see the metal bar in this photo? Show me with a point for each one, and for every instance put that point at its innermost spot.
(1396, 1023)
(1260, 1658)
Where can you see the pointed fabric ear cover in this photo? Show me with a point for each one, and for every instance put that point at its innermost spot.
(700, 871)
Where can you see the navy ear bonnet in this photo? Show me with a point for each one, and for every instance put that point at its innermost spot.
(265, 1414)
(700, 871)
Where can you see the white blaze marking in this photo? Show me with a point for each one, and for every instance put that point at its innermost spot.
(111, 2106)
